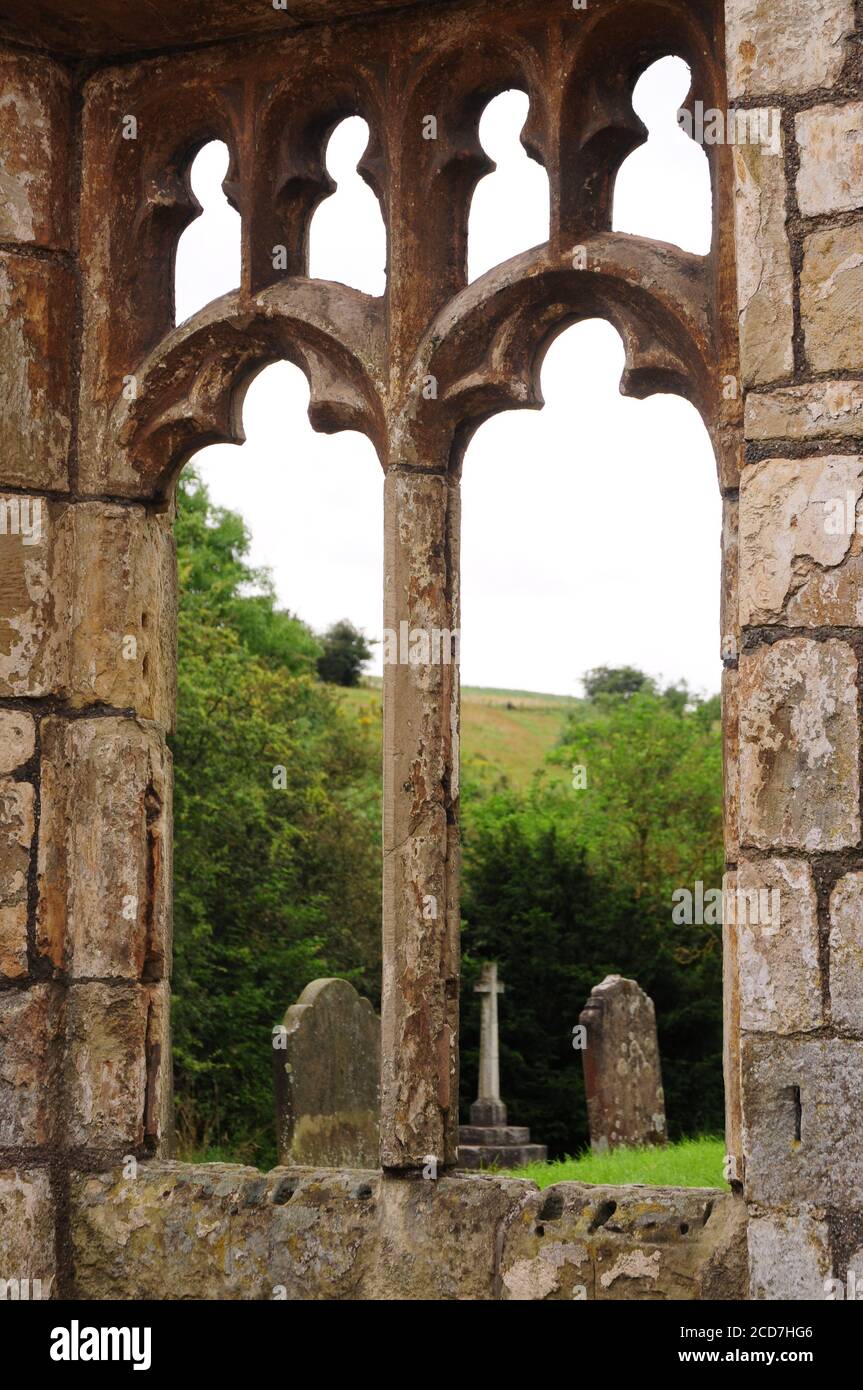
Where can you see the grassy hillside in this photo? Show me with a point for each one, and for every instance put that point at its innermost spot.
(504, 732)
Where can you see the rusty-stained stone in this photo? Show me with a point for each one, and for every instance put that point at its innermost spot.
(35, 126)
(16, 836)
(846, 953)
(789, 1255)
(776, 921)
(731, 763)
(791, 546)
(622, 1073)
(27, 1229)
(419, 1003)
(830, 139)
(817, 410)
(729, 618)
(801, 1119)
(113, 1071)
(123, 621)
(36, 576)
(327, 1079)
(37, 316)
(764, 279)
(585, 1242)
(17, 738)
(831, 290)
(30, 1023)
(799, 738)
(104, 868)
(769, 49)
(86, 28)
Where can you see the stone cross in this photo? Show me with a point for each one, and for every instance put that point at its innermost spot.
(489, 988)
(489, 1141)
(622, 1076)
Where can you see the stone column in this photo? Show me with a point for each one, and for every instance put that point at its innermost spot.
(419, 1006)
(794, 1044)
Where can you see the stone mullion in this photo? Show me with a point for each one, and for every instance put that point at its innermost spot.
(419, 1012)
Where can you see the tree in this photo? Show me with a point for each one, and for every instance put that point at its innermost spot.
(276, 835)
(567, 883)
(345, 652)
(615, 681)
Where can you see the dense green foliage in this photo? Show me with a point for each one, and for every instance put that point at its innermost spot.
(564, 885)
(276, 835)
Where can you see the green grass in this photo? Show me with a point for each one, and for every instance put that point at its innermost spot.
(689, 1163)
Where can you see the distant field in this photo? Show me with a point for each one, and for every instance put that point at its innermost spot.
(505, 731)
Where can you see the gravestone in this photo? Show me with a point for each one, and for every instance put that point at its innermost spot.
(327, 1056)
(488, 1139)
(622, 1074)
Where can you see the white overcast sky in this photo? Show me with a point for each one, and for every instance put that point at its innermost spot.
(590, 529)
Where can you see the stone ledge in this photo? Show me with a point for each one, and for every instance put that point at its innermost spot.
(215, 1231)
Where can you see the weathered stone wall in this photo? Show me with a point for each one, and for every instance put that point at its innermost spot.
(794, 1022)
(100, 402)
(86, 697)
(215, 1231)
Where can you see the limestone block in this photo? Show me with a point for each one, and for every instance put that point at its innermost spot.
(17, 739)
(776, 919)
(123, 621)
(831, 289)
(17, 825)
(799, 763)
(846, 953)
(789, 1255)
(801, 1120)
(584, 1242)
(35, 150)
(224, 1232)
(30, 1022)
(800, 559)
(818, 410)
(771, 47)
(418, 1218)
(830, 139)
(36, 574)
(764, 278)
(104, 864)
(116, 1052)
(27, 1230)
(37, 318)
